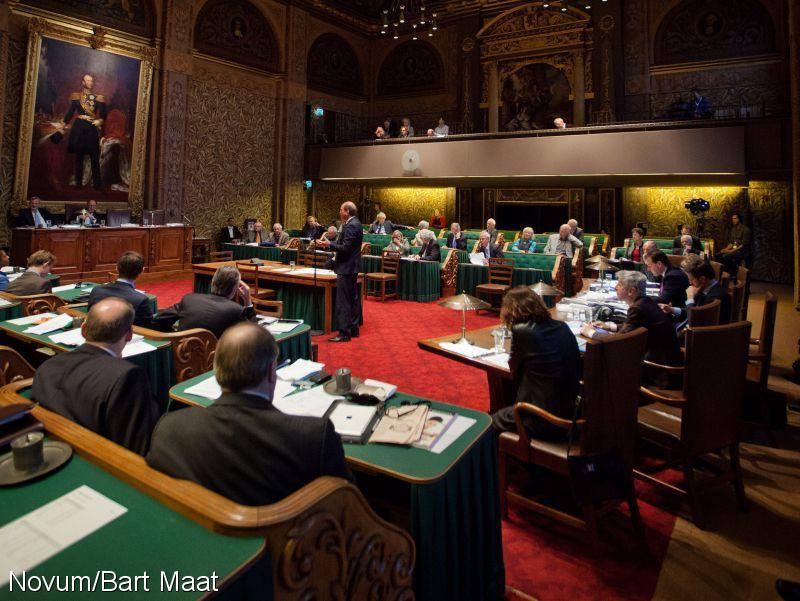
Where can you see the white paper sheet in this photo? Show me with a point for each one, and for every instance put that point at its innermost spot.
(75, 338)
(600, 296)
(389, 388)
(252, 244)
(477, 258)
(5, 303)
(51, 325)
(460, 425)
(310, 271)
(350, 419)
(266, 319)
(14, 276)
(44, 532)
(64, 288)
(24, 321)
(313, 402)
(281, 270)
(210, 389)
(500, 360)
(7, 269)
(281, 327)
(300, 369)
(466, 350)
(137, 347)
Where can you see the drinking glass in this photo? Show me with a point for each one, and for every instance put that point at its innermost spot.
(291, 265)
(499, 340)
(102, 223)
(145, 222)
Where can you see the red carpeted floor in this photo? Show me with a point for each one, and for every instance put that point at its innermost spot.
(543, 559)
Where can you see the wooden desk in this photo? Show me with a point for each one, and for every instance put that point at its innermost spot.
(273, 272)
(90, 253)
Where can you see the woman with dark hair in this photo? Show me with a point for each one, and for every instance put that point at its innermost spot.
(634, 252)
(544, 363)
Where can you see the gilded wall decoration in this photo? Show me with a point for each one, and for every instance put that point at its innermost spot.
(635, 53)
(179, 25)
(132, 16)
(294, 194)
(771, 223)
(697, 30)
(329, 196)
(332, 65)
(409, 206)
(229, 154)
(237, 31)
(411, 68)
(172, 139)
(14, 83)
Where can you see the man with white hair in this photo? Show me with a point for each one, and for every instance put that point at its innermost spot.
(278, 237)
(575, 230)
(423, 225)
(456, 238)
(525, 243)
(559, 123)
(487, 249)
(562, 243)
(491, 227)
(381, 225)
(430, 247)
(643, 312)
(678, 245)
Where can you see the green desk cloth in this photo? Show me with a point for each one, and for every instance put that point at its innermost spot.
(11, 311)
(419, 281)
(469, 276)
(295, 344)
(71, 295)
(242, 252)
(157, 364)
(455, 519)
(148, 538)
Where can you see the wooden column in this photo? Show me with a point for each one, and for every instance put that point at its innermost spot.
(579, 90)
(794, 70)
(494, 97)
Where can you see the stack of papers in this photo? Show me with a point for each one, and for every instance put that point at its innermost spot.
(25, 321)
(310, 271)
(352, 420)
(75, 338)
(302, 368)
(466, 350)
(388, 389)
(313, 402)
(284, 325)
(58, 322)
(477, 258)
(500, 360)
(210, 389)
(14, 276)
(137, 347)
(5, 303)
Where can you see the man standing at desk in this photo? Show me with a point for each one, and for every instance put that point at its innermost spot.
(347, 247)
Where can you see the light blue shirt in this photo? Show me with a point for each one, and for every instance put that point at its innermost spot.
(38, 220)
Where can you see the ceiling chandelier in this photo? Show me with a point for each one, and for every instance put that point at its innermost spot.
(562, 5)
(408, 17)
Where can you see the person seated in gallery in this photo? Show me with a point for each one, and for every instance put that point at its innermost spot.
(278, 237)
(380, 133)
(4, 261)
(129, 267)
(635, 249)
(34, 280)
(88, 215)
(438, 221)
(738, 247)
(97, 389)
(456, 238)
(700, 105)
(562, 243)
(227, 304)
(686, 247)
(389, 127)
(33, 215)
(525, 243)
(241, 446)
(230, 232)
(423, 225)
(312, 229)
(330, 234)
(487, 248)
(643, 312)
(544, 363)
(381, 225)
(405, 123)
(678, 243)
(491, 227)
(704, 288)
(430, 247)
(257, 234)
(441, 130)
(430, 133)
(672, 281)
(559, 123)
(399, 244)
(574, 229)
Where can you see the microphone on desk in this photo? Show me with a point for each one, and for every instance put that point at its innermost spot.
(186, 220)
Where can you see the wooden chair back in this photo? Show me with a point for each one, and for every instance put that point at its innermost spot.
(766, 337)
(71, 209)
(736, 292)
(612, 375)
(675, 260)
(390, 262)
(111, 276)
(35, 304)
(220, 255)
(271, 308)
(366, 248)
(707, 315)
(711, 414)
(308, 258)
(13, 366)
(717, 269)
(501, 271)
(192, 350)
(743, 275)
(326, 524)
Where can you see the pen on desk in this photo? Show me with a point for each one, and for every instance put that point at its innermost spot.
(283, 363)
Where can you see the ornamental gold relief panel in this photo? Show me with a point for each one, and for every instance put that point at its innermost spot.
(409, 206)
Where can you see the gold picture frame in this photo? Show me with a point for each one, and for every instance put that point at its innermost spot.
(97, 38)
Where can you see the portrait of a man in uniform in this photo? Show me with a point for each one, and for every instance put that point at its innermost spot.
(83, 126)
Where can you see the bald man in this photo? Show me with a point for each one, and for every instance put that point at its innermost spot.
(241, 446)
(563, 243)
(574, 229)
(94, 387)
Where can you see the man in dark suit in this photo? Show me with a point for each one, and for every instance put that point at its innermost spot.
(230, 232)
(677, 243)
(673, 281)
(488, 249)
(346, 263)
(215, 312)
(129, 267)
(33, 215)
(381, 225)
(241, 446)
(34, 280)
(456, 238)
(643, 312)
(574, 229)
(704, 289)
(430, 247)
(97, 389)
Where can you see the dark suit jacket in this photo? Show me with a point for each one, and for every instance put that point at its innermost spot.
(460, 244)
(662, 341)
(25, 216)
(674, 283)
(243, 448)
(716, 292)
(430, 251)
(578, 233)
(106, 395)
(209, 311)
(312, 232)
(495, 251)
(225, 237)
(139, 302)
(697, 246)
(387, 225)
(347, 247)
(29, 283)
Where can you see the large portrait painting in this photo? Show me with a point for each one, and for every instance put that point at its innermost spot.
(533, 96)
(84, 120)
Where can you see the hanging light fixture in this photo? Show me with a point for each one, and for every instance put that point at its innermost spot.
(563, 5)
(408, 17)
